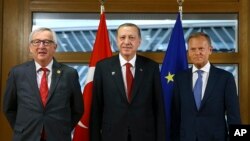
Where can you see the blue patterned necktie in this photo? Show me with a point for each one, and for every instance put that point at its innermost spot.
(198, 89)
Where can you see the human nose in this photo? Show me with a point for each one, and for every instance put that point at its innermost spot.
(41, 44)
(126, 41)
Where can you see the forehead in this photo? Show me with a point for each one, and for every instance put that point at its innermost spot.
(127, 30)
(198, 42)
(42, 35)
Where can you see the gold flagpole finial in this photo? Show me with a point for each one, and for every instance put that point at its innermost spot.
(180, 2)
(180, 5)
(102, 5)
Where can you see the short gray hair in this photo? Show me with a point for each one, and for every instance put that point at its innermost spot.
(40, 29)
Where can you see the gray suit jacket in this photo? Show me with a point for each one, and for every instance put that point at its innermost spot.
(208, 123)
(25, 112)
(113, 117)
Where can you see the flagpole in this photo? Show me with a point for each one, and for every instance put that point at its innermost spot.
(180, 2)
(102, 5)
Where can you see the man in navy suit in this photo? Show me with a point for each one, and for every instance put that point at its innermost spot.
(53, 115)
(205, 118)
(116, 115)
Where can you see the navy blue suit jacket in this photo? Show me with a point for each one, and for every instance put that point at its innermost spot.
(112, 117)
(24, 109)
(208, 123)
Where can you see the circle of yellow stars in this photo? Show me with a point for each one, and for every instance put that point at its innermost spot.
(170, 77)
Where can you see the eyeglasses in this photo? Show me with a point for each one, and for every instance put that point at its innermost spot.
(45, 42)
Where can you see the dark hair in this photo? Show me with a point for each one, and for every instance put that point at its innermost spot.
(131, 25)
(200, 34)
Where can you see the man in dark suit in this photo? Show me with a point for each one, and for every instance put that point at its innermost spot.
(43, 99)
(200, 116)
(117, 114)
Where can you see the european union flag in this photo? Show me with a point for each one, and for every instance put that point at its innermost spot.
(174, 61)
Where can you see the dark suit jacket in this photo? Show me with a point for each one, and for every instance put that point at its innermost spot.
(24, 109)
(112, 116)
(208, 123)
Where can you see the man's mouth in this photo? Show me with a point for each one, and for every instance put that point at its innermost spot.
(42, 52)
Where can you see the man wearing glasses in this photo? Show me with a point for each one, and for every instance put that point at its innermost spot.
(43, 99)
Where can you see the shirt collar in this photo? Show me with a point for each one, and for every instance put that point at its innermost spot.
(206, 68)
(49, 66)
(123, 61)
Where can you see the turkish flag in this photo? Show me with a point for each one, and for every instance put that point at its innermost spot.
(101, 50)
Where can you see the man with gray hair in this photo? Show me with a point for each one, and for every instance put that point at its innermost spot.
(43, 98)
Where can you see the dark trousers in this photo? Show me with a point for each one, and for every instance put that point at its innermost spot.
(42, 139)
(129, 135)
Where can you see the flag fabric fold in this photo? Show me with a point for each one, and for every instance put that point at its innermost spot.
(100, 51)
(174, 61)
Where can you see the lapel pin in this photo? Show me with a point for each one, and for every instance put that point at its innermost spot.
(58, 71)
(141, 69)
(113, 73)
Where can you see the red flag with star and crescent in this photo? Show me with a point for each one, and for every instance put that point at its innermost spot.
(101, 50)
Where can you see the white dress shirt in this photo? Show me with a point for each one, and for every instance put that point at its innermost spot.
(40, 73)
(205, 75)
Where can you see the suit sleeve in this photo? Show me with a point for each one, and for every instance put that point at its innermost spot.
(76, 100)
(232, 102)
(10, 100)
(159, 108)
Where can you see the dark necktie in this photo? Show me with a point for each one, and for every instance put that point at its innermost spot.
(129, 79)
(198, 89)
(44, 86)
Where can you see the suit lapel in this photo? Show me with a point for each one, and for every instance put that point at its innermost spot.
(212, 78)
(31, 74)
(56, 74)
(190, 87)
(116, 73)
(138, 76)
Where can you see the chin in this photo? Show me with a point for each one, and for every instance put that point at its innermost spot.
(42, 58)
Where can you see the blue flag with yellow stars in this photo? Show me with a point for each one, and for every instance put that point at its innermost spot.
(174, 61)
